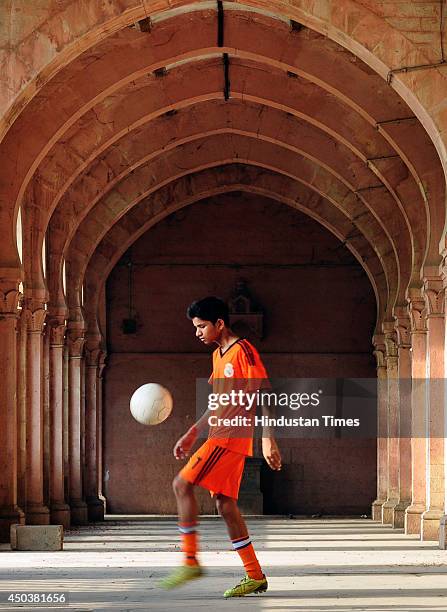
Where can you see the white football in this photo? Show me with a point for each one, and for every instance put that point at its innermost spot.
(151, 404)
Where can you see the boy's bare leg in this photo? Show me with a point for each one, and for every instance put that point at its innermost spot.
(238, 532)
(187, 518)
(229, 511)
(186, 500)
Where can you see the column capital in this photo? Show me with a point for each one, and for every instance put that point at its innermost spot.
(95, 358)
(92, 356)
(390, 339)
(9, 302)
(417, 310)
(94, 346)
(434, 296)
(75, 338)
(101, 363)
(402, 326)
(35, 315)
(57, 328)
(379, 350)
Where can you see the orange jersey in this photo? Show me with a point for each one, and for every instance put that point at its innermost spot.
(239, 367)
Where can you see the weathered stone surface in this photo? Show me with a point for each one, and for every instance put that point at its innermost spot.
(37, 537)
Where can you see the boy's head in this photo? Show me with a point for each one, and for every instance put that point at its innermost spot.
(210, 316)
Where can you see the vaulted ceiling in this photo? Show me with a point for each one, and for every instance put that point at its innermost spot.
(212, 97)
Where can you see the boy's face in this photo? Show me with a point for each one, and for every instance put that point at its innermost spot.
(206, 331)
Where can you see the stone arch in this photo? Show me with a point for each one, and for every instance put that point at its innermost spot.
(139, 186)
(351, 25)
(152, 209)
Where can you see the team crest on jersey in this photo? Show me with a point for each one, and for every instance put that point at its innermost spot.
(228, 370)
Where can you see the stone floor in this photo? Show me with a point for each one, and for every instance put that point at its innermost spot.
(312, 565)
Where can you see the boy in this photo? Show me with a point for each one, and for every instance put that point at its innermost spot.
(218, 464)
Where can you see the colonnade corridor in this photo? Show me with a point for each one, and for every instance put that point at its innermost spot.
(287, 156)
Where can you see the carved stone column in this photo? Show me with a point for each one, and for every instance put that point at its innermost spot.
(46, 416)
(443, 521)
(60, 510)
(21, 409)
(94, 360)
(415, 510)
(382, 391)
(66, 419)
(10, 512)
(75, 338)
(403, 326)
(37, 513)
(434, 297)
(99, 444)
(83, 465)
(392, 440)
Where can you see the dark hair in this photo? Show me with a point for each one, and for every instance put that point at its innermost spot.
(209, 309)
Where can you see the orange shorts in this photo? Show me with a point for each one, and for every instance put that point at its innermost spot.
(215, 468)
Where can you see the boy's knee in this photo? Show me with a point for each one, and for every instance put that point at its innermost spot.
(181, 487)
(225, 505)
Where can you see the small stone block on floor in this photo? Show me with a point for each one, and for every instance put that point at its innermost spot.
(443, 533)
(37, 537)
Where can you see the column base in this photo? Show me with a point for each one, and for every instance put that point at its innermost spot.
(430, 524)
(37, 514)
(60, 514)
(79, 512)
(413, 519)
(95, 509)
(10, 515)
(399, 514)
(443, 533)
(388, 511)
(376, 510)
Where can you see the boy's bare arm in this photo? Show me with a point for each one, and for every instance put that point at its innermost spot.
(183, 446)
(270, 448)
